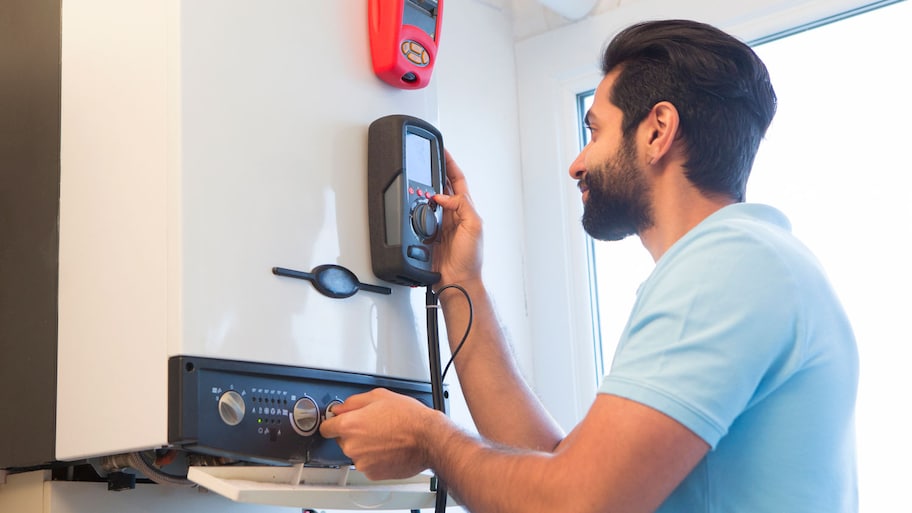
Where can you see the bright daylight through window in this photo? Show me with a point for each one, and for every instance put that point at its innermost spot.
(834, 162)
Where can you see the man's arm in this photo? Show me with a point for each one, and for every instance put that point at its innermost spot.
(503, 406)
(623, 457)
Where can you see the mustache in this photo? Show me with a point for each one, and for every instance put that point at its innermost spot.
(583, 184)
(588, 182)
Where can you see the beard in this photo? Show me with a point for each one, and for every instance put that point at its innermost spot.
(619, 202)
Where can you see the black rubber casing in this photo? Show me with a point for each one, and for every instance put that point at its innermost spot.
(403, 220)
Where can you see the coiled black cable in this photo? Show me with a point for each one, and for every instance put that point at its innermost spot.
(437, 376)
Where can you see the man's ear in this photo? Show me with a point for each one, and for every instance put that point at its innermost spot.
(661, 129)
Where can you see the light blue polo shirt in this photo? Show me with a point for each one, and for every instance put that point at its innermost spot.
(738, 335)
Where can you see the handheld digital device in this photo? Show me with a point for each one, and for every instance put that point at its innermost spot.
(405, 170)
(404, 35)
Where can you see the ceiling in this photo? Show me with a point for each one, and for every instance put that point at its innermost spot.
(532, 17)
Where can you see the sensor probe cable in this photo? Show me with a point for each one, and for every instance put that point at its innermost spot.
(437, 376)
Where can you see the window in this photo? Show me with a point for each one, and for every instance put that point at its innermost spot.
(617, 269)
(826, 164)
(834, 162)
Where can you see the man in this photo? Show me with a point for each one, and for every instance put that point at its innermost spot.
(734, 382)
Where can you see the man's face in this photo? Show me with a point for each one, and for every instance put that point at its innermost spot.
(616, 193)
(618, 203)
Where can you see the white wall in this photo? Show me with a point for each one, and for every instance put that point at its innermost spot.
(478, 117)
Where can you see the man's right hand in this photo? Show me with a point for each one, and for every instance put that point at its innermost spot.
(459, 255)
(503, 407)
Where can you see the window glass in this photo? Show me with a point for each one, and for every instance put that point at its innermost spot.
(834, 160)
(616, 270)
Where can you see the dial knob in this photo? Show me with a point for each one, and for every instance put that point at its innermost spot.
(305, 416)
(232, 408)
(424, 221)
(329, 408)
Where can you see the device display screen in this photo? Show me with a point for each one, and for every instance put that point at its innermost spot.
(418, 158)
(422, 14)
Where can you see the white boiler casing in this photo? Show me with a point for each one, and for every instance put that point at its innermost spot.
(203, 143)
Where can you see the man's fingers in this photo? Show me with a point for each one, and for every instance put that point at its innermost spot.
(330, 428)
(455, 176)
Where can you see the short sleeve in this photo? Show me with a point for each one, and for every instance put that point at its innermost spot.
(712, 330)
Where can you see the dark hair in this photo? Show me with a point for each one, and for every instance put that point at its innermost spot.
(719, 86)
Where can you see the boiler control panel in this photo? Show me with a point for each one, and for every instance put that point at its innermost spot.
(264, 412)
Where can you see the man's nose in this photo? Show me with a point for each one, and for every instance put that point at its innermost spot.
(578, 166)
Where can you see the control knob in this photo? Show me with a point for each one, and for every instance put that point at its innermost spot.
(329, 408)
(424, 221)
(305, 416)
(232, 408)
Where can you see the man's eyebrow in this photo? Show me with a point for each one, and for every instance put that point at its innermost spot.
(587, 119)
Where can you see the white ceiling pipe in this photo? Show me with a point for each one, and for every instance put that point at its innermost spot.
(570, 9)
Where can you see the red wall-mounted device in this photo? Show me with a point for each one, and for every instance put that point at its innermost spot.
(404, 35)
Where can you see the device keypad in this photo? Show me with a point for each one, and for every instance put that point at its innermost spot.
(415, 53)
